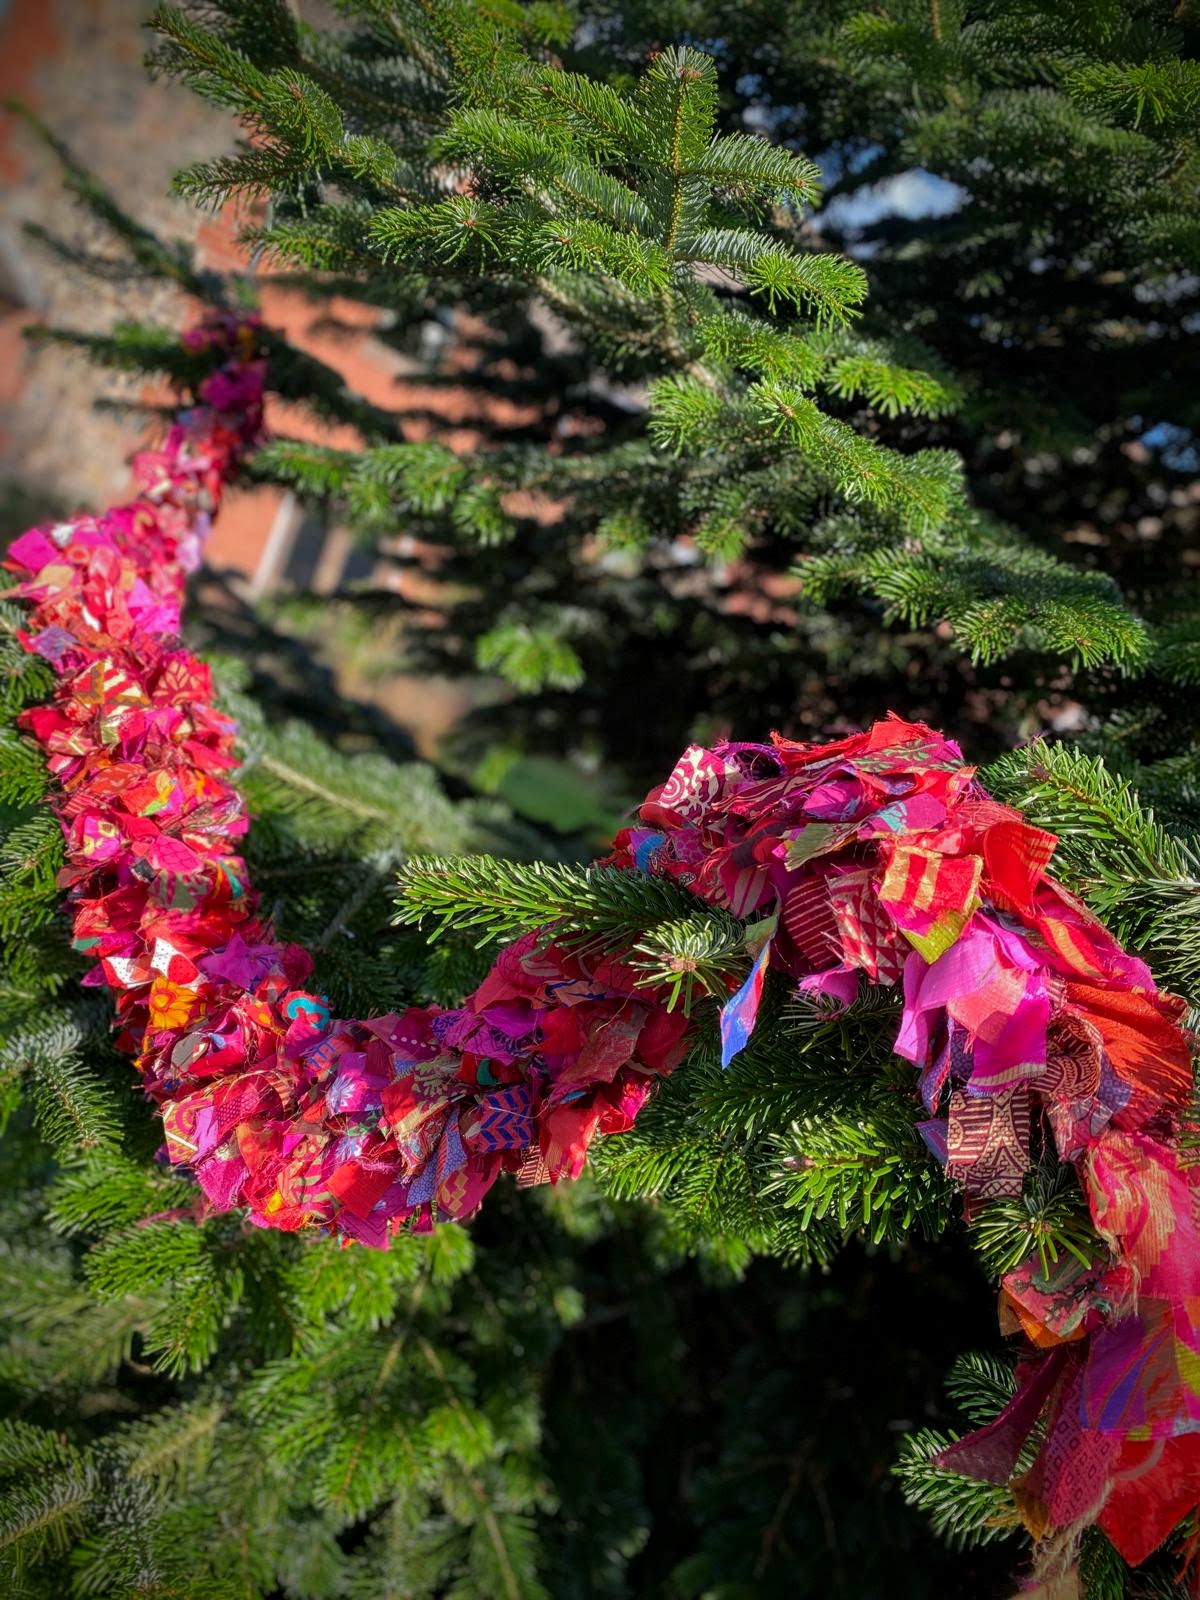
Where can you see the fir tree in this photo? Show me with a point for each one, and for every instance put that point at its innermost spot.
(1050, 267)
(197, 1409)
(772, 419)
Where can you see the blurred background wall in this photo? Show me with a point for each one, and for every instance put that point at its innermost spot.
(64, 435)
(67, 427)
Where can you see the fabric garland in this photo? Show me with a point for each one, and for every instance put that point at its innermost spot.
(878, 859)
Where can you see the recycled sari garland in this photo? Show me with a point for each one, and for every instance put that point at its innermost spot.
(877, 859)
(307, 1120)
(881, 859)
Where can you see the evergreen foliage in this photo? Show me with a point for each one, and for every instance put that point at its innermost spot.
(677, 258)
(789, 467)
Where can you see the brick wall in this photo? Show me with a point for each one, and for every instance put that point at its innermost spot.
(79, 63)
(68, 427)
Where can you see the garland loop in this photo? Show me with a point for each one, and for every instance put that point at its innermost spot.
(878, 859)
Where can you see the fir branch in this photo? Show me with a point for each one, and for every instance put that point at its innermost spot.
(981, 1385)
(1164, 93)
(73, 1108)
(42, 1516)
(866, 1172)
(962, 1510)
(501, 899)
